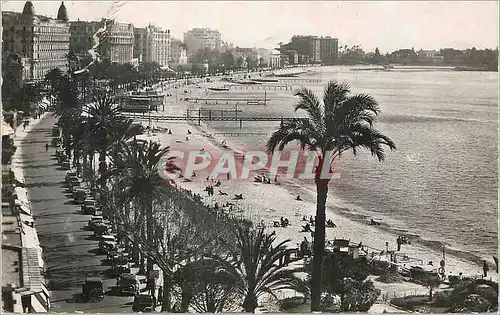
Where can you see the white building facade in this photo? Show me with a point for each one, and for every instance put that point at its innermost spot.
(201, 38)
(152, 44)
(119, 44)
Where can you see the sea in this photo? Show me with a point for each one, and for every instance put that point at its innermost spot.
(441, 184)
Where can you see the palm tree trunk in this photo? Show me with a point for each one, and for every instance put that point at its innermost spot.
(319, 243)
(149, 230)
(165, 306)
(102, 167)
(185, 300)
(250, 303)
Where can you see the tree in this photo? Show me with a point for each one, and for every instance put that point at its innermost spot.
(137, 165)
(103, 119)
(204, 288)
(12, 81)
(54, 79)
(343, 122)
(344, 276)
(255, 265)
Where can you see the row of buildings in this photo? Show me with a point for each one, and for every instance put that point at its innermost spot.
(311, 50)
(41, 43)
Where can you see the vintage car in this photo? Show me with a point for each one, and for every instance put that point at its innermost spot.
(92, 289)
(65, 165)
(69, 175)
(129, 283)
(94, 220)
(107, 243)
(120, 266)
(88, 203)
(101, 229)
(79, 196)
(143, 303)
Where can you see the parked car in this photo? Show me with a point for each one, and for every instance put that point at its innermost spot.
(120, 266)
(73, 184)
(107, 243)
(86, 204)
(94, 220)
(143, 303)
(69, 175)
(79, 196)
(100, 229)
(92, 289)
(129, 283)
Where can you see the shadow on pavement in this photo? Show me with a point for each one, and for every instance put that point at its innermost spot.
(97, 252)
(43, 184)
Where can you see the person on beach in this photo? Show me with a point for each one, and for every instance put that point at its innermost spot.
(306, 228)
(298, 198)
(46, 147)
(304, 246)
(169, 131)
(189, 132)
(485, 269)
(399, 241)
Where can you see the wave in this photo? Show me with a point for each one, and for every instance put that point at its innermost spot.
(395, 119)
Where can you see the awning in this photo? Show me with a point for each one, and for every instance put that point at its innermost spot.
(18, 174)
(7, 129)
(39, 303)
(23, 207)
(22, 194)
(30, 238)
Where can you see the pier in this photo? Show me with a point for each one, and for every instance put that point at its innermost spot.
(239, 134)
(201, 118)
(299, 80)
(227, 101)
(258, 87)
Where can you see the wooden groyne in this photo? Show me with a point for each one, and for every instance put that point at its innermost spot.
(299, 80)
(199, 118)
(259, 87)
(227, 101)
(239, 134)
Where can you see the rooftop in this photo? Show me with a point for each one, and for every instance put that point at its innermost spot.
(11, 258)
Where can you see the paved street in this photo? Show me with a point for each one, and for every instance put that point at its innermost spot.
(68, 250)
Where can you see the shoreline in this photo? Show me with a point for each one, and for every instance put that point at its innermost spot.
(354, 214)
(276, 201)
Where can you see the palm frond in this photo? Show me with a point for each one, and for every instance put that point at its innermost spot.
(300, 130)
(310, 103)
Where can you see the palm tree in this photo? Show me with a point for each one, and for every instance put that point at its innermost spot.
(204, 288)
(343, 122)
(103, 118)
(54, 78)
(137, 166)
(256, 265)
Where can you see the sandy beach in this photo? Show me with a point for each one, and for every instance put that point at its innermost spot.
(269, 202)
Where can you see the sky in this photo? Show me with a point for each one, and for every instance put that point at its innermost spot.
(388, 25)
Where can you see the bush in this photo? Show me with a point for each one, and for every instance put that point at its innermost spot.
(390, 277)
(380, 268)
(291, 302)
(443, 298)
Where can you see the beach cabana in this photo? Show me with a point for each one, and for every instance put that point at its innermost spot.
(341, 245)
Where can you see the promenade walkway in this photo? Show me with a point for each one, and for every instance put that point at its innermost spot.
(68, 252)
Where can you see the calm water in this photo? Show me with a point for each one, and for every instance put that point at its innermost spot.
(441, 183)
